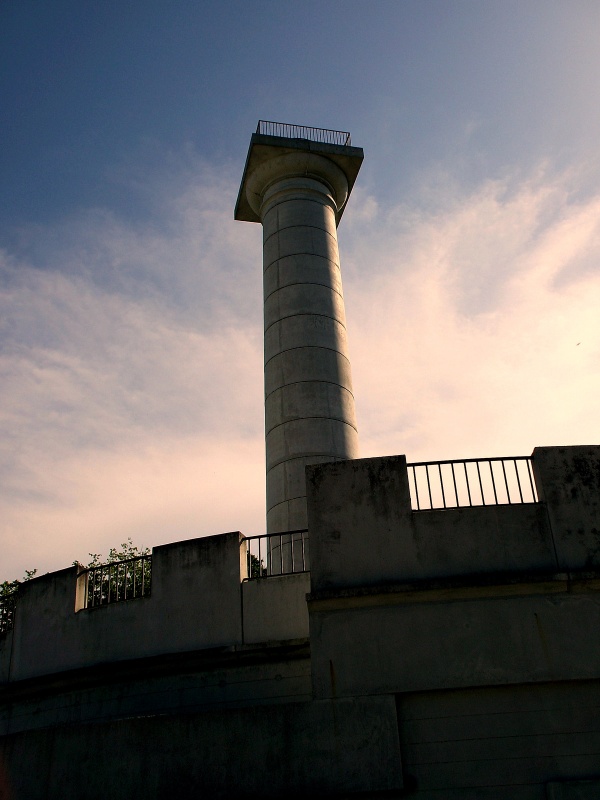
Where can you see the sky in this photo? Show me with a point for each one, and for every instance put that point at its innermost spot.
(131, 301)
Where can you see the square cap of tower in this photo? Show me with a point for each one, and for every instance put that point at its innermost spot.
(264, 147)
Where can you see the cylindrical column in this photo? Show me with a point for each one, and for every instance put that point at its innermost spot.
(309, 405)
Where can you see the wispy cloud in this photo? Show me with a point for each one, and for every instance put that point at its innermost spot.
(131, 353)
(474, 328)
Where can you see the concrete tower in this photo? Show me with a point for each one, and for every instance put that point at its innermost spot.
(296, 183)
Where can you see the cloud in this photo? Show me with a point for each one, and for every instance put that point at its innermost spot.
(465, 322)
(131, 351)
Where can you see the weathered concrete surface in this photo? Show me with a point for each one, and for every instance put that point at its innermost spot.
(568, 482)
(274, 609)
(275, 751)
(377, 539)
(180, 683)
(195, 603)
(450, 637)
(297, 191)
(531, 742)
(5, 655)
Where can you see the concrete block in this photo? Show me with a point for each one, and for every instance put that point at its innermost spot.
(316, 398)
(568, 482)
(303, 239)
(304, 298)
(307, 749)
(357, 511)
(287, 515)
(274, 609)
(452, 640)
(574, 790)
(302, 269)
(300, 365)
(309, 330)
(300, 211)
(308, 437)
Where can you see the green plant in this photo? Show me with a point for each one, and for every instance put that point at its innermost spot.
(8, 598)
(126, 574)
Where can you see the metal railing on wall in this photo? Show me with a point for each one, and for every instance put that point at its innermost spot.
(128, 579)
(289, 131)
(7, 613)
(277, 554)
(471, 482)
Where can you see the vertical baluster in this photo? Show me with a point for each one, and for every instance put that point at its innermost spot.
(454, 482)
(414, 472)
(518, 480)
(533, 493)
(480, 483)
(493, 482)
(467, 480)
(428, 485)
(442, 484)
(505, 481)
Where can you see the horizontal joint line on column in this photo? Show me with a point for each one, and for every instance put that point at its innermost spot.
(287, 500)
(326, 456)
(320, 455)
(309, 380)
(312, 416)
(305, 314)
(295, 200)
(293, 255)
(303, 283)
(306, 347)
(287, 228)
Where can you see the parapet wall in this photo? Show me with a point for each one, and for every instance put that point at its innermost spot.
(376, 538)
(199, 601)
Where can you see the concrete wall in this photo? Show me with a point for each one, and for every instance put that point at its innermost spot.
(231, 677)
(520, 742)
(568, 481)
(378, 539)
(300, 749)
(452, 636)
(197, 602)
(275, 608)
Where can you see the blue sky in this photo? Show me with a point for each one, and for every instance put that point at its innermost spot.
(130, 301)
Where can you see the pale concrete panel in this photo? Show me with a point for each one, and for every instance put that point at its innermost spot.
(274, 609)
(304, 298)
(568, 481)
(304, 364)
(480, 539)
(301, 269)
(299, 211)
(267, 751)
(307, 437)
(309, 399)
(309, 330)
(454, 642)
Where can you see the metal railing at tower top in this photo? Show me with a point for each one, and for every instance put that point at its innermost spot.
(471, 482)
(288, 131)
